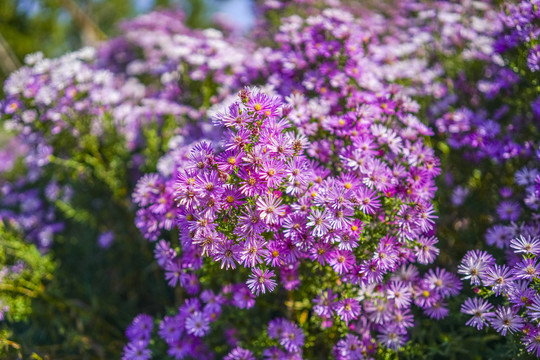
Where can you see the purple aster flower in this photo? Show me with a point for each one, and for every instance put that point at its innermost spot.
(400, 292)
(324, 304)
(263, 105)
(243, 298)
(197, 324)
(228, 253)
(253, 252)
(532, 341)
(321, 252)
(228, 160)
(261, 281)
(480, 309)
(392, 337)
(526, 245)
(508, 210)
(499, 236)
(438, 311)
(140, 328)
(446, 283)
(499, 278)
(348, 309)
(250, 223)
(275, 253)
(520, 295)
(426, 252)
(474, 266)
(270, 208)
(506, 320)
(342, 261)
(137, 350)
(527, 269)
(171, 329)
(239, 354)
(533, 59)
(273, 172)
(319, 220)
(349, 348)
(163, 253)
(534, 309)
(291, 337)
(424, 295)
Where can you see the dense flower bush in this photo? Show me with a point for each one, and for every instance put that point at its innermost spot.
(287, 184)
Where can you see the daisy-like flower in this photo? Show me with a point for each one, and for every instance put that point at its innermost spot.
(446, 283)
(342, 261)
(526, 245)
(534, 309)
(291, 337)
(506, 320)
(229, 159)
(197, 324)
(261, 280)
(532, 341)
(367, 200)
(273, 172)
(270, 208)
(426, 252)
(262, 105)
(392, 337)
(253, 252)
(499, 278)
(438, 311)
(480, 309)
(239, 354)
(228, 253)
(319, 220)
(232, 197)
(137, 350)
(324, 304)
(527, 269)
(400, 292)
(347, 309)
(474, 266)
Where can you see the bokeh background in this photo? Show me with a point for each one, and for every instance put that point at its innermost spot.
(55, 27)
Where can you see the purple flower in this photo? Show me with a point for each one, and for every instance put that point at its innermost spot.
(392, 337)
(506, 320)
(499, 278)
(347, 309)
(228, 253)
(532, 341)
(136, 350)
(426, 251)
(197, 324)
(527, 269)
(106, 239)
(291, 337)
(140, 328)
(474, 266)
(533, 59)
(526, 244)
(239, 354)
(270, 208)
(261, 281)
(480, 309)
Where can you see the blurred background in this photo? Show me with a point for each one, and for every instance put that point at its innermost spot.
(55, 27)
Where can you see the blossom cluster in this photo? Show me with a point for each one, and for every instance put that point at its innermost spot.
(270, 199)
(69, 113)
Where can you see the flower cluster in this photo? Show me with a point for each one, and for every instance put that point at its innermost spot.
(477, 116)
(275, 196)
(514, 283)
